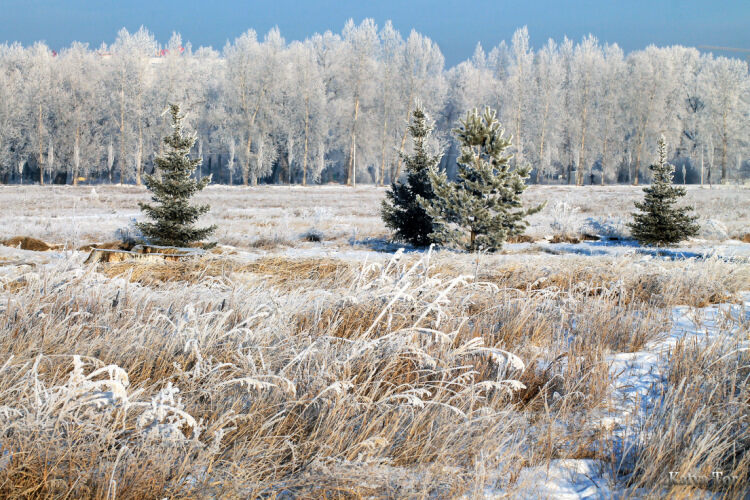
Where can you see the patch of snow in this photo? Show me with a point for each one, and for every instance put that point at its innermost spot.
(562, 479)
(638, 377)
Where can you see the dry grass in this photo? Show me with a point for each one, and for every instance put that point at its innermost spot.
(698, 426)
(277, 271)
(28, 243)
(317, 377)
(627, 279)
(323, 377)
(268, 406)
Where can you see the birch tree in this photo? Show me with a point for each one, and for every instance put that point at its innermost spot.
(131, 55)
(727, 113)
(356, 66)
(545, 111)
(587, 64)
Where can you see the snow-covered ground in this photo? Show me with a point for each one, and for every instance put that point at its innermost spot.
(639, 378)
(81, 215)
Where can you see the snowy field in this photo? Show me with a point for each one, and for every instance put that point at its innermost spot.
(307, 357)
(280, 216)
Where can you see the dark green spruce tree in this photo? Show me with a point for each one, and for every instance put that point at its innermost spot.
(174, 218)
(482, 208)
(659, 222)
(401, 211)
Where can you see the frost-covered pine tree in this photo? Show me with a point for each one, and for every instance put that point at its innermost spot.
(173, 216)
(483, 207)
(401, 211)
(660, 223)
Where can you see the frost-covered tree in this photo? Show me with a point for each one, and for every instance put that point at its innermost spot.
(587, 65)
(660, 222)
(482, 208)
(11, 110)
(79, 81)
(131, 54)
(346, 98)
(40, 82)
(356, 66)
(255, 72)
(693, 113)
(547, 88)
(422, 78)
(610, 94)
(519, 84)
(728, 115)
(403, 210)
(566, 150)
(304, 115)
(651, 80)
(173, 217)
(389, 89)
(470, 84)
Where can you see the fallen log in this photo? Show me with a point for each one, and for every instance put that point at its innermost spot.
(108, 256)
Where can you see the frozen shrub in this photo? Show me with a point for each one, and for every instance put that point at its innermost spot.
(606, 228)
(313, 234)
(714, 230)
(130, 234)
(564, 220)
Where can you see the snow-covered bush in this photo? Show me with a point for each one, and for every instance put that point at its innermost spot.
(564, 219)
(713, 230)
(313, 234)
(606, 228)
(130, 234)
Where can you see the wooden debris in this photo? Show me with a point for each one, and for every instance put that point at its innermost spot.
(173, 254)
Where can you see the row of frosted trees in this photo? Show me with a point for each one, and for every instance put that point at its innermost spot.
(334, 108)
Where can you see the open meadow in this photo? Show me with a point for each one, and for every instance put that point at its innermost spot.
(307, 356)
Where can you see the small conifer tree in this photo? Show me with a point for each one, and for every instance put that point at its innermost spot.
(660, 223)
(401, 211)
(173, 216)
(483, 207)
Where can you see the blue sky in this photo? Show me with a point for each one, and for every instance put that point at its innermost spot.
(455, 25)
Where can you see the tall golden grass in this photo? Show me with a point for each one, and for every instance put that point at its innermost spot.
(423, 376)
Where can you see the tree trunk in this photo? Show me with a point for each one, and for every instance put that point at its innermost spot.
(395, 175)
(307, 122)
(350, 171)
(354, 162)
(381, 177)
(121, 160)
(139, 157)
(604, 149)
(41, 166)
(289, 163)
(246, 165)
(724, 177)
(76, 157)
(541, 138)
(638, 155)
(517, 138)
(139, 152)
(642, 136)
(582, 151)
(251, 123)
